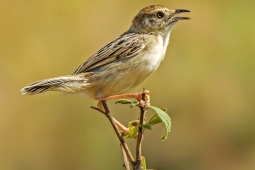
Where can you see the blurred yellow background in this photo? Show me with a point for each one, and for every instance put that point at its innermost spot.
(206, 81)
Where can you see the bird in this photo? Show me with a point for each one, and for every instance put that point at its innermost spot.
(121, 65)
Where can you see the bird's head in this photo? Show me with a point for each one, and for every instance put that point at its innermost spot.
(156, 19)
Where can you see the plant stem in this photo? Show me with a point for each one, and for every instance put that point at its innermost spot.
(138, 162)
(121, 139)
(125, 159)
(126, 154)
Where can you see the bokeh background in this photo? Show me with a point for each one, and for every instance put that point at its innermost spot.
(206, 81)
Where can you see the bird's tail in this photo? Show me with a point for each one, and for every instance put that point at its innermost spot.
(69, 84)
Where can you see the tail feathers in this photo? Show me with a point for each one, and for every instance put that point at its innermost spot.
(31, 90)
(72, 83)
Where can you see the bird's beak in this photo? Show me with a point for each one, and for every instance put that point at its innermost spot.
(178, 11)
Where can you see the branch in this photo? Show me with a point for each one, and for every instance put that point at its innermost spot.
(125, 159)
(138, 162)
(144, 101)
(121, 139)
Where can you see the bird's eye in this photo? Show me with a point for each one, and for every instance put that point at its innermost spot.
(160, 14)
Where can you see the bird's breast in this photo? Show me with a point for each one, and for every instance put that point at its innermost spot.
(153, 54)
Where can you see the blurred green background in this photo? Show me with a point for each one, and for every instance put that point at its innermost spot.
(206, 81)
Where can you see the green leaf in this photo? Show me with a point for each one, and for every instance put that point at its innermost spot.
(164, 109)
(154, 119)
(161, 116)
(147, 126)
(143, 163)
(134, 104)
(126, 101)
(133, 129)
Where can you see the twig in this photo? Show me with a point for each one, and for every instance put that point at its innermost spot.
(122, 141)
(93, 107)
(124, 156)
(138, 161)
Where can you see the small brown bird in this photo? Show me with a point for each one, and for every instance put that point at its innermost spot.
(123, 63)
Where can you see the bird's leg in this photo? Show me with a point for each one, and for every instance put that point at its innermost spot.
(121, 126)
(137, 96)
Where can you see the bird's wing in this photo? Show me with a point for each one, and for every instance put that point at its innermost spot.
(126, 46)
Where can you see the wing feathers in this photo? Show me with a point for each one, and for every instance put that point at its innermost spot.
(126, 46)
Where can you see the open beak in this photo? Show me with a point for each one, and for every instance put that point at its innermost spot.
(178, 11)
